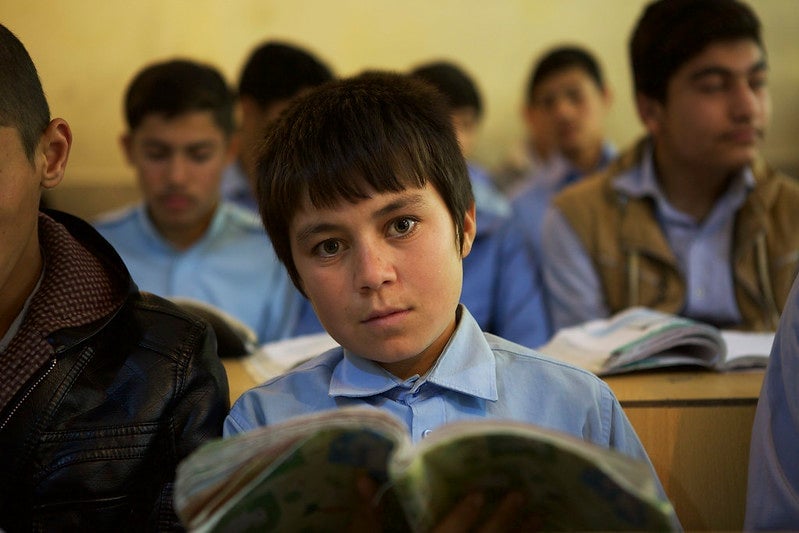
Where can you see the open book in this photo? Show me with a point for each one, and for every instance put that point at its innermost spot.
(234, 338)
(640, 338)
(300, 476)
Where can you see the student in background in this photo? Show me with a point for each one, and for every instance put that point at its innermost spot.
(273, 75)
(183, 240)
(690, 220)
(502, 284)
(567, 97)
(365, 194)
(104, 389)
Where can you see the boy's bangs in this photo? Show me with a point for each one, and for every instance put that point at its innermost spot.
(356, 178)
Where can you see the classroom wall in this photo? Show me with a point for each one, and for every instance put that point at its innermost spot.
(87, 51)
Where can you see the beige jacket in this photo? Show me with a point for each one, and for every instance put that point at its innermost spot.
(636, 266)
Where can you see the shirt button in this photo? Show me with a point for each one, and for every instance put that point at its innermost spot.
(699, 293)
(426, 432)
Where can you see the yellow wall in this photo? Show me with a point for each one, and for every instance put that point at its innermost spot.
(87, 50)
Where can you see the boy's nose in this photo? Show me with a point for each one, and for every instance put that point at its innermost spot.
(177, 170)
(373, 269)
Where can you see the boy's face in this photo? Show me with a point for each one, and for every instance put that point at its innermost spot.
(179, 162)
(20, 182)
(569, 108)
(716, 110)
(384, 275)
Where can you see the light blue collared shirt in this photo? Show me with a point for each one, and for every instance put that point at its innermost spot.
(233, 267)
(772, 499)
(477, 375)
(702, 250)
(502, 283)
(236, 188)
(529, 204)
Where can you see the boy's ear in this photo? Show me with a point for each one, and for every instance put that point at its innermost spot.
(54, 145)
(469, 230)
(650, 111)
(126, 143)
(233, 145)
(607, 96)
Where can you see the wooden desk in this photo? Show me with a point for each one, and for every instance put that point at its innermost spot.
(238, 378)
(696, 428)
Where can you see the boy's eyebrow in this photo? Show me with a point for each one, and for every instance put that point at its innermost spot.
(723, 71)
(404, 202)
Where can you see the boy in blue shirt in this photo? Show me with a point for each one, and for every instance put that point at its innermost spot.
(365, 195)
(183, 240)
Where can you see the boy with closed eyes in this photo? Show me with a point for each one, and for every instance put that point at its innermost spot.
(183, 239)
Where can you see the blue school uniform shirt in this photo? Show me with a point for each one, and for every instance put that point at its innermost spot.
(233, 267)
(772, 496)
(235, 187)
(477, 375)
(530, 202)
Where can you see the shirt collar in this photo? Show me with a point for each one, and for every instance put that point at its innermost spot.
(466, 365)
(640, 182)
(146, 224)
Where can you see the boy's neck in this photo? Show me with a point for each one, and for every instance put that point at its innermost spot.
(692, 189)
(586, 160)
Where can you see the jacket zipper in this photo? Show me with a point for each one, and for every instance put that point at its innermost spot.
(28, 393)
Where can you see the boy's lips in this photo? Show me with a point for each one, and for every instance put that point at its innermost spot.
(743, 135)
(176, 201)
(380, 315)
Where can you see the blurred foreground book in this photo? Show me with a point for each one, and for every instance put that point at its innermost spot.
(300, 476)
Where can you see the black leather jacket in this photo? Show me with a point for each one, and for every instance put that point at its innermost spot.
(91, 443)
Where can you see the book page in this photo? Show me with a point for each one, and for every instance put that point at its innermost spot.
(296, 475)
(634, 339)
(568, 483)
(273, 358)
(747, 349)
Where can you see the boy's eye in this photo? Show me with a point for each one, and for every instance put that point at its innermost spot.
(712, 83)
(328, 248)
(201, 155)
(402, 226)
(157, 154)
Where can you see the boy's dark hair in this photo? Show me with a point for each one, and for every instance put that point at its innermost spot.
(278, 71)
(671, 32)
(563, 58)
(377, 131)
(23, 105)
(457, 87)
(176, 87)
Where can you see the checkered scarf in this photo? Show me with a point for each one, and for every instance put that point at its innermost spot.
(76, 290)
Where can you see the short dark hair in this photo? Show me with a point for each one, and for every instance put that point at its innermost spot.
(561, 58)
(671, 32)
(454, 83)
(378, 130)
(23, 105)
(277, 71)
(179, 86)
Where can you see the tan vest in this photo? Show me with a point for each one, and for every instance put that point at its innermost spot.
(636, 266)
